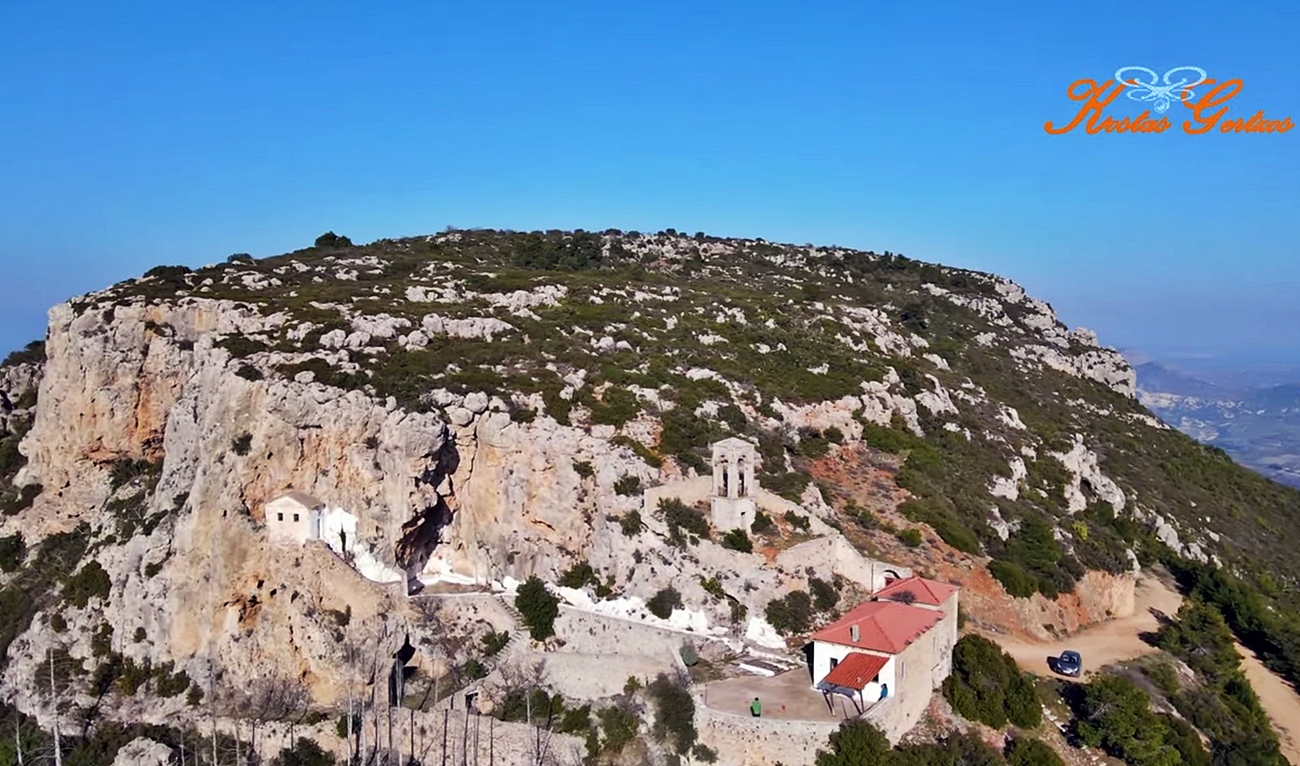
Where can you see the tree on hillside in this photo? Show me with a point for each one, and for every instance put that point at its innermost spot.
(1032, 752)
(330, 239)
(1116, 716)
(538, 607)
(856, 743)
(986, 686)
(953, 750)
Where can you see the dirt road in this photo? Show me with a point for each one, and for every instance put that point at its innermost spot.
(1118, 640)
(1279, 700)
(1107, 643)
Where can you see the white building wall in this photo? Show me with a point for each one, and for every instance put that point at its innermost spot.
(824, 652)
(288, 521)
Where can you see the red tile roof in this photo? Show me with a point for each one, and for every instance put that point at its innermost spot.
(883, 626)
(856, 671)
(926, 591)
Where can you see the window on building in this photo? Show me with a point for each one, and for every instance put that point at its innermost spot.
(834, 662)
(279, 517)
(295, 517)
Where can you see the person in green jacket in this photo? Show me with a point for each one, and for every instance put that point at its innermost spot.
(756, 708)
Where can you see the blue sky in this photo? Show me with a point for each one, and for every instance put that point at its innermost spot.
(139, 133)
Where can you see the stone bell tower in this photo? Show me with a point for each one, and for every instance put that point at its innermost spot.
(734, 486)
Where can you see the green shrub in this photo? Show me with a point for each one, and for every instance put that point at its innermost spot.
(663, 603)
(631, 523)
(538, 607)
(1032, 752)
(856, 742)
(584, 468)
(619, 728)
(168, 684)
(674, 714)
(125, 470)
(1017, 582)
(494, 642)
(304, 753)
(737, 540)
(713, 587)
(242, 444)
(791, 614)
(249, 372)
(910, 537)
(330, 239)
(91, 582)
(12, 552)
(763, 524)
(32, 353)
(682, 520)
(616, 408)
(579, 575)
(824, 594)
(797, 521)
(241, 346)
(1116, 716)
(986, 686)
(628, 485)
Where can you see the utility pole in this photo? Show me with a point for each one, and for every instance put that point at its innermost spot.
(17, 739)
(58, 747)
(445, 714)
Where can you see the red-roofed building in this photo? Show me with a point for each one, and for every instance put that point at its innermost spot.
(924, 592)
(893, 647)
(856, 676)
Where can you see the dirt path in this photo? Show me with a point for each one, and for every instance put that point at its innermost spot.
(1104, 644)
(1119, 640)
(1279, 700)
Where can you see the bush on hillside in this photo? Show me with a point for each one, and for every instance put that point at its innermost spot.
(538, 607)
(663, 603)
(952, 750)
(1116, 716)
(986, 686)
(856, 743)
(330, 239)
(1032, 752)
(790, 615)
(674, 714)
(737, 540)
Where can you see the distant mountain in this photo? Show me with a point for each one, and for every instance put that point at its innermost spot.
(1153, 376)
(1259, 427)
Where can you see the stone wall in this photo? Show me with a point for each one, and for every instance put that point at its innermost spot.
(745, 741)
(586, 632)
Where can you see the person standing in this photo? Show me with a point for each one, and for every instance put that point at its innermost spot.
(756, 708)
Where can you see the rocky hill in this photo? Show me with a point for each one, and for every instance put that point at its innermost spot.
(491, 405)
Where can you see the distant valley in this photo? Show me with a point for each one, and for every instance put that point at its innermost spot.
(1258, 426)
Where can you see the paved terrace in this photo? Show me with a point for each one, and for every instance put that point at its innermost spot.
(787, 697)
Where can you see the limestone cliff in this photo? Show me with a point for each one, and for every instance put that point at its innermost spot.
(494, 405)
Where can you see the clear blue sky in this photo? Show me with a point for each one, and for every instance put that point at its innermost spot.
(139, 133)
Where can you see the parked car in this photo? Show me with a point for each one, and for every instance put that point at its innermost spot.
(1069, 664)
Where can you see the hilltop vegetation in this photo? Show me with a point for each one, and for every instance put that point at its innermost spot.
(1019, 441)
(717, 337)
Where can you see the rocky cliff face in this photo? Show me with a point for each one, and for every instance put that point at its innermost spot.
(492, 405)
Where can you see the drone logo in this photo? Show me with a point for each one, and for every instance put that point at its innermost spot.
(1207, 111)
(1162, 95)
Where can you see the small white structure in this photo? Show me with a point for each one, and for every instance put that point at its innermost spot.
(734, 486)
(297, 518)
(294, 518)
